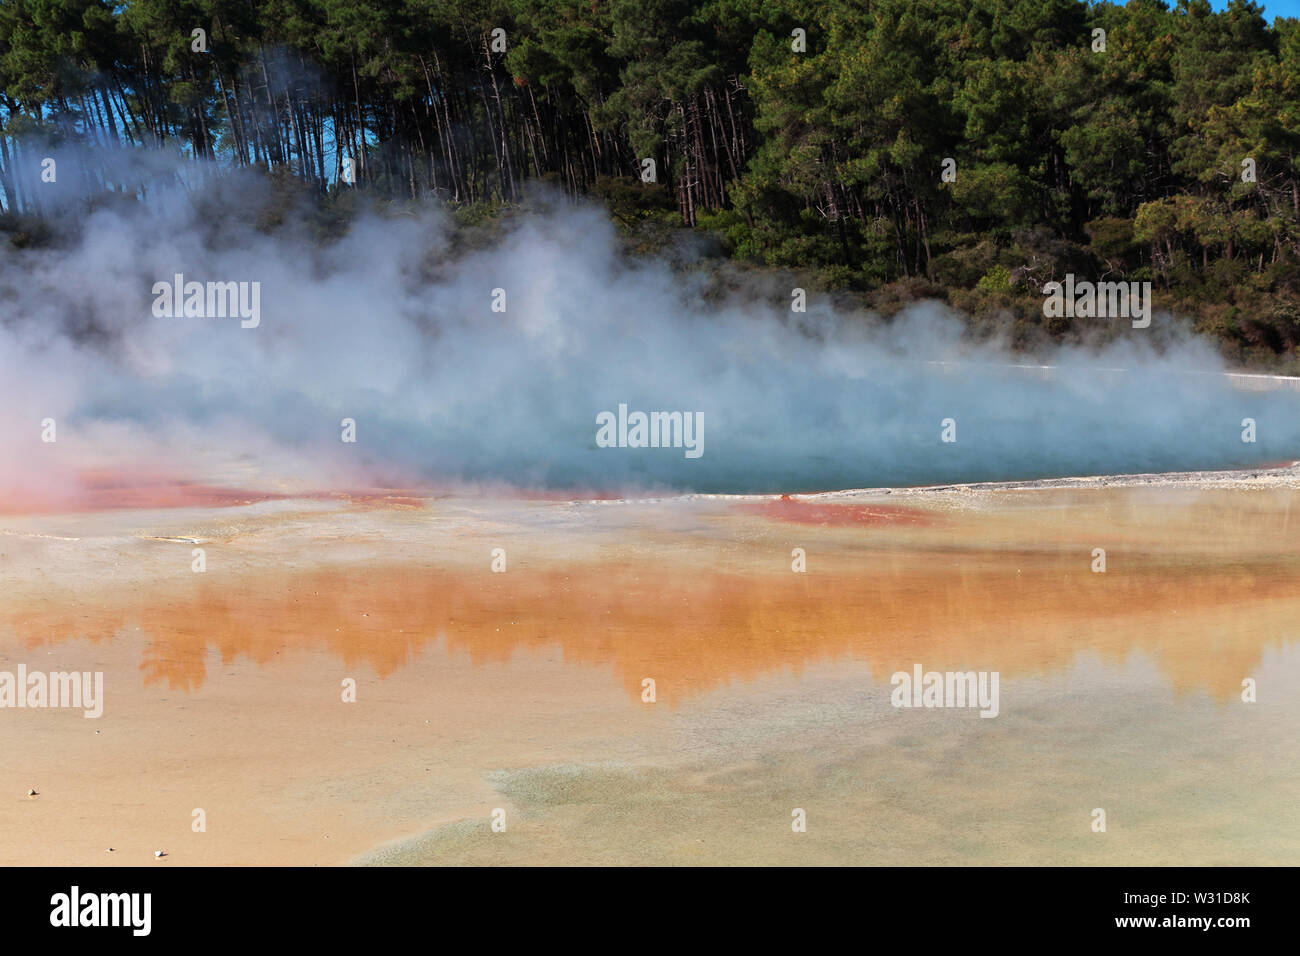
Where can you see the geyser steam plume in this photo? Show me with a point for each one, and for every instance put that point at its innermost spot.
(389, 327)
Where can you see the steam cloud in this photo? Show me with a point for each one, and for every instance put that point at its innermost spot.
(387, 326)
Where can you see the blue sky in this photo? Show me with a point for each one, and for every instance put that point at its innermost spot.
(1272, 8)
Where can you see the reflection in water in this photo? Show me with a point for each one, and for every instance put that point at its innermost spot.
(693, 630)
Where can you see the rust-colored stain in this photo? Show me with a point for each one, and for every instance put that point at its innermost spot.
(693, 631)
(1202, 583)
(825, 514)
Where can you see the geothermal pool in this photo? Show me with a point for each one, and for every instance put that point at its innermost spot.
(523, 690)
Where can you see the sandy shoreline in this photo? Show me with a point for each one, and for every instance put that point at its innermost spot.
(522, 690)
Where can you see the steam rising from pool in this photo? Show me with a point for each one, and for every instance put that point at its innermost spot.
(392, 328)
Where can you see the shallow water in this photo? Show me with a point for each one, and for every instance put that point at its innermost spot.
(523, 690)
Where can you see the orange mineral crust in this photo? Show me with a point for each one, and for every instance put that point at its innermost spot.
(499, 653)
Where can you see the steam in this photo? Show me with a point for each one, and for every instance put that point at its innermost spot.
(393, 328)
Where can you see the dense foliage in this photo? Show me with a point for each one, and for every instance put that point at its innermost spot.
(1122, 163)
